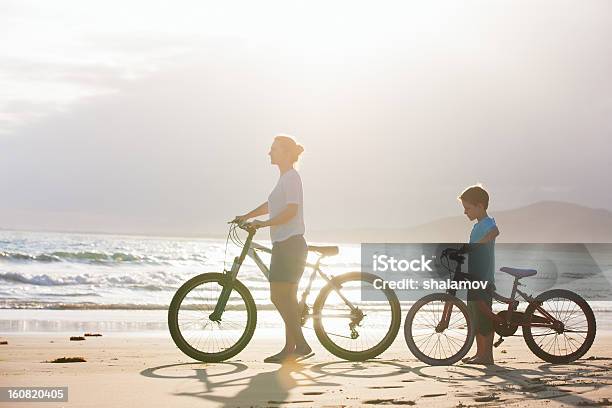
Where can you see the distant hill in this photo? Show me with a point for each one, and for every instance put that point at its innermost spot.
(546, 221)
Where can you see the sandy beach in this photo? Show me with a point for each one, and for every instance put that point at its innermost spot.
(146, 369)
(197, 170)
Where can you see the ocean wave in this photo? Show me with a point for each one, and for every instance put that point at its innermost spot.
(16, 256)
(605, 307)
(153, 288)
(75, 294)
(165, 281)
(32, 304)
(46, 280)
(81, 256)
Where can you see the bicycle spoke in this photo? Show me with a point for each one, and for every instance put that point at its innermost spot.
(336, 316)
(199, 331)
(426, 337)
(575, 328)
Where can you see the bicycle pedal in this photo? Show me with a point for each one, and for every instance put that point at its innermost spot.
(498, 342)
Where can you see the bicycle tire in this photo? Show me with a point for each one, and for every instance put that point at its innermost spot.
(590, 321)
(408, 329)
(184, 345)
(339, 351)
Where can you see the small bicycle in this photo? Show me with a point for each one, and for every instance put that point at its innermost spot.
(557, 325)
(212, 317)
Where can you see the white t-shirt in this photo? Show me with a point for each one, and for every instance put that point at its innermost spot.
(288, 190)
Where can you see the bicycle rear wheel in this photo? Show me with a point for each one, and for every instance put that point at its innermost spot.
(575, 330)
(201, 338)
(358, 333)
(429, 340)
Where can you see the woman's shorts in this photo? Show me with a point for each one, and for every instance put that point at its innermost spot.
(288, 259)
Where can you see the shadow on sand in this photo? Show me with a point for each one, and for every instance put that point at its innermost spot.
(272, 387)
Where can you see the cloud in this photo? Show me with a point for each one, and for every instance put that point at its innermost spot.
(157, 131)
(57, 55)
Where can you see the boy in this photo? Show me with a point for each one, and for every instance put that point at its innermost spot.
(481, 265)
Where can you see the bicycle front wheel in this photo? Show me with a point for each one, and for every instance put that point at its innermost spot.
(351, 328)
(201, 338)
(565, 340)
(438, 340)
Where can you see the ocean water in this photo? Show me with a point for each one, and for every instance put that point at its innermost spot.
(45, 277)
(88, 271)
(87, 282)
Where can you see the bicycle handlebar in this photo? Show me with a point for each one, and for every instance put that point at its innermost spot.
(447, 252)
(244, 225)
(455, 254)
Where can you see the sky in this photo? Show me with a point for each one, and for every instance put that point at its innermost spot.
(157, 117)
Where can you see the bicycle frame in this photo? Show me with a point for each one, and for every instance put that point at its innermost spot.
(548, 321)
(249, 249)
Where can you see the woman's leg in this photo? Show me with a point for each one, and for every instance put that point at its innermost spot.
(278, 296)
(288, 259)
(301, 346)
(284, 297)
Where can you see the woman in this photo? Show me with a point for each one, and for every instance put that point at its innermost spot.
(289, 248)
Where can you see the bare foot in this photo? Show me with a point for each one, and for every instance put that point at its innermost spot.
(279, 357)
(302, 350)
(467, 360)
(480, 361)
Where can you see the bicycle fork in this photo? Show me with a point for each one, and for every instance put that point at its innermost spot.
(448, 305)
(446, 315)
(215, 316)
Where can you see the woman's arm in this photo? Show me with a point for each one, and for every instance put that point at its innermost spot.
(261, 210)
(287, 214)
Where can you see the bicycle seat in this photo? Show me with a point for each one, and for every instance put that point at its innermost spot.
(324, 250)
(518, 273)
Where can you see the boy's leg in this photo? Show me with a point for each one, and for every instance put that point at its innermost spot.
(484, 353)
(473, 309)
(480, 345)
(487, 341)
(481, 311)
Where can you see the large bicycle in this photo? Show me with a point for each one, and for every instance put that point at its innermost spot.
(558, 325)
(212, 317)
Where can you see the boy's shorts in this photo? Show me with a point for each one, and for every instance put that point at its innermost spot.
(482, 323)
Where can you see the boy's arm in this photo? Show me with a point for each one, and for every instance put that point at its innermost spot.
(490, 236)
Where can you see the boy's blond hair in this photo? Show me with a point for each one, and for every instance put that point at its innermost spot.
(475, 194)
